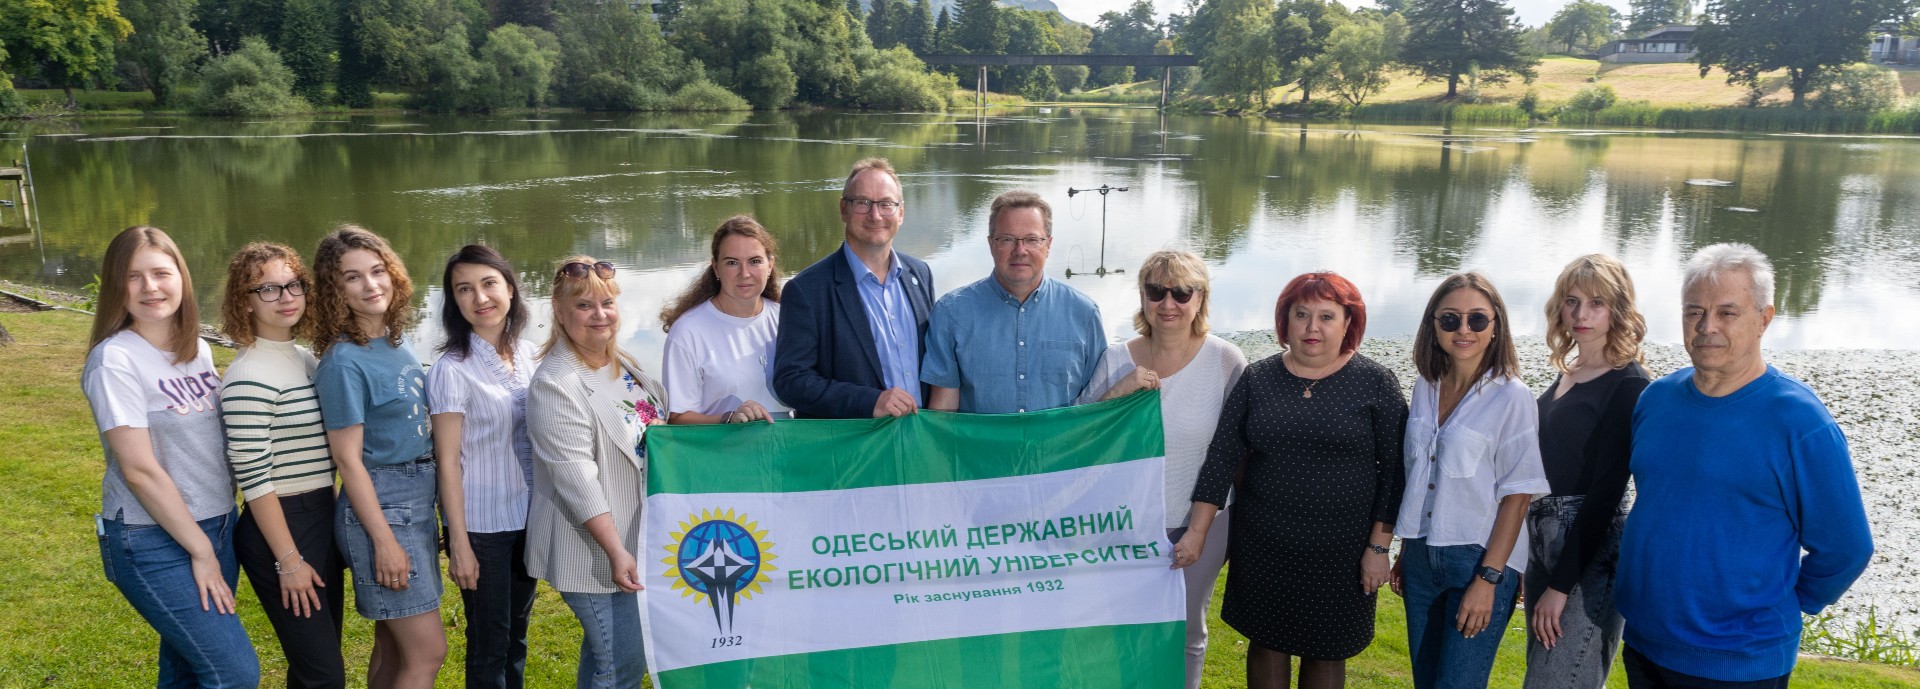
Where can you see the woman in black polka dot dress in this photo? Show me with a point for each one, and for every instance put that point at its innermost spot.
(1317, 430)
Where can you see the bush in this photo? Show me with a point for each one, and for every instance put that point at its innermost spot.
(607, 91)
(452, 75)
(706, 96)
(516, 67)
(769, 80)
(1593, 99)
(1859, 88)
(11, 105)
(894, 79)
(249, 82)
(1529, 103)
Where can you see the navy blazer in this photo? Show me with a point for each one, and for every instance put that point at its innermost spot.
(825, 363)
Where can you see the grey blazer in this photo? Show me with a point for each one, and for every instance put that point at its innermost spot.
(582, 468)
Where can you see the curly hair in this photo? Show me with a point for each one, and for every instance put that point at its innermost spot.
(1605, 277)
(110, 315)
(707, 285)
(248, 264)
(328, 317)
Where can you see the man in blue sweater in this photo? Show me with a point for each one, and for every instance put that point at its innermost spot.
(1747, 512)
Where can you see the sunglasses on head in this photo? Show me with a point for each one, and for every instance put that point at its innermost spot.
(1155, 292)
(1450, 322)
(578, 269)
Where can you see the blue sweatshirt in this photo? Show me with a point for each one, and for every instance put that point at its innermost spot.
(1731, 490)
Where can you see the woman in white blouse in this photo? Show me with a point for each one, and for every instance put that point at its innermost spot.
(720, 332)
(1193, 372)
(478, 393)
(1473, 464)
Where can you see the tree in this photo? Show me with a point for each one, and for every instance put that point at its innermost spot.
(1133, 32)
(164, 44)
(452, 75)
(1807, 38)
(225, 22)
(516, 67)
(731, 37)
(1584, 22)
(916, 32)
(1360, 53)
(613, 57)
(880, 21)
(1300, 31)
(248, 82)
(897, 80)
(69, 42)
(978, 28)
(1445, 38)
(537, 14)
(1234, 40)
(1028, 32)
(1653, 14)
(940, 27)
(10, 104)
(306, 47)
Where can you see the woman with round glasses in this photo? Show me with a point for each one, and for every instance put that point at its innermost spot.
(1312, 437)
(588, 409)
(720, 332)
(1472, 458)
(1586, 436)
(279, 455)
(1193, 371)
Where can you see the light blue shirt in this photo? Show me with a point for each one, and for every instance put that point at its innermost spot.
(379, 385)
(896, 334)
(1006, 356)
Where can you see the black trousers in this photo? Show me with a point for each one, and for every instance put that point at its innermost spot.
(311, 644)
(497, 611)
(1643, 674)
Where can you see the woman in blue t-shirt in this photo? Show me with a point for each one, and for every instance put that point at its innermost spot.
(373, 397)
(167, 516)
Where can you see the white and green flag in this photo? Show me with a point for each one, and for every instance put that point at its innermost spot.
(931, 551)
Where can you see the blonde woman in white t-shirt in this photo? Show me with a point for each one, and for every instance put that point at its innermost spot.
(721, 329)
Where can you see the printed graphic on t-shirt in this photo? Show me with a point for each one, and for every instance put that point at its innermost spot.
(639, 410)
(412, 384)
(189, 394)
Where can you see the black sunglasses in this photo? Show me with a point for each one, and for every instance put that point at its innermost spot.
(578, 269)
(1450, 322)
(1155, 292)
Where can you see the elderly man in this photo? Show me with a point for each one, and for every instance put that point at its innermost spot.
(1739, 470)
(852, 324)
(1016, 340)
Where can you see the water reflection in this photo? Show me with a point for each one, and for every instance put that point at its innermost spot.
(1394, 208)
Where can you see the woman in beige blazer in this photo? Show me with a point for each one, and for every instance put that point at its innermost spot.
(588, 407)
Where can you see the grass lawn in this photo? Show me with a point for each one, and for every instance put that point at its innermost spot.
(62, 624)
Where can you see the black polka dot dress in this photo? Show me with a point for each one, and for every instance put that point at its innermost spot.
(1319, 471)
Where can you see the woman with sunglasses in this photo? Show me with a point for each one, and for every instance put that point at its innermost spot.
(720, 332)
(1193, 371)
(1586, 437)
(478, 391)
(588, 409)
(279, 454)
(1472, 458)
(1312, 438)
(373, 402)
(166, 505)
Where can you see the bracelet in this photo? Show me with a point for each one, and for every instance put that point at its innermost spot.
(727, 417)
(1375, 547)
(296, 567)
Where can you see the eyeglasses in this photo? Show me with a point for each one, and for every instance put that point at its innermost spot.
(271, 293)
(578, 269)
(863, 206)
(1450, 322)
(1181, 295)
(1031, 243)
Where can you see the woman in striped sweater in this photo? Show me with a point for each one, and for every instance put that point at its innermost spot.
(280, 459)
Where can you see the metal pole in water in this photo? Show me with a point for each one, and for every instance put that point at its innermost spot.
(1104, 190)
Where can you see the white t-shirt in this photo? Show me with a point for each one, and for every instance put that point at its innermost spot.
(714, 361)
(1190, 402)
(129, 382)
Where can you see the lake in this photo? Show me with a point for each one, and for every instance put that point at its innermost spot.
(1394, 208)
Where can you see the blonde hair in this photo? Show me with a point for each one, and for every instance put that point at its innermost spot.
(1183, 269)
(236, 320)
(1605, 277)
(328, 317)
(567, 289)
(111, 316)
(865, 164)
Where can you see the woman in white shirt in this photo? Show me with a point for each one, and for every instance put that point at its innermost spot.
(720, 332)
(1193, 371)
(478, 393)
(1473, 464)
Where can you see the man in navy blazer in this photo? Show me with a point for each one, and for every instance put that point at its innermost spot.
(852, 325)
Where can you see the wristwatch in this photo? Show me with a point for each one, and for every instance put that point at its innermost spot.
(1375, 547)
(1491, 575)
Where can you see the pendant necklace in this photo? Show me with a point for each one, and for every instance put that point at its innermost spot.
(1308, 393)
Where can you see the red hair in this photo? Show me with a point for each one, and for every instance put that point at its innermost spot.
(1324, 286)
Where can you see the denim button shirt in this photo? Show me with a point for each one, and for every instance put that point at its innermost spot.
(890, 316)
(1006, 356)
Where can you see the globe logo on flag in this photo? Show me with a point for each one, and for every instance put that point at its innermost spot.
(719, 558)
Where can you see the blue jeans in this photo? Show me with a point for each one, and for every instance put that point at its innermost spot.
(198, 648)
(497, 611)
(611, 653)
(1435, 578)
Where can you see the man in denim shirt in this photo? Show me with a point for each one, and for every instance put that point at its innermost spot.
(1017, 340)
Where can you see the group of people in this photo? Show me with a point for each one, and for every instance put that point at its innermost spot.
(525, 462)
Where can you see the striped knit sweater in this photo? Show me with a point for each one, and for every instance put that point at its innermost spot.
(274, 438)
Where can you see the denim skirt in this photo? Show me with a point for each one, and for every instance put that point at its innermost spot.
(408, 504)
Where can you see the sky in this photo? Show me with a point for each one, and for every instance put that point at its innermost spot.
(1530, 12)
